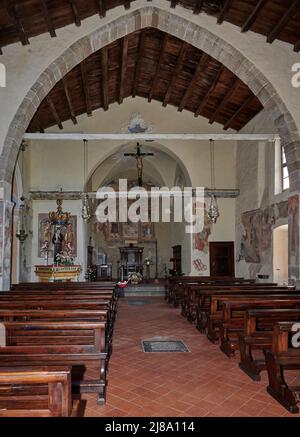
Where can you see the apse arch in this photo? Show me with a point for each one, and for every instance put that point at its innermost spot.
(182, 28)
(152, 146)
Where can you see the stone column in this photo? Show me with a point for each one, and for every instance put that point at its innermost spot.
(294, 246)
(6, 210)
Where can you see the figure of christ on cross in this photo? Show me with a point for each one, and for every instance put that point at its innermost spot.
(139, 162)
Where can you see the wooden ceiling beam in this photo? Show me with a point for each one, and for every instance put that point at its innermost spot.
(17, 21)
(174, 3)
(102, 8)
(226, 7)
(54, 112)
(104, 81)
(123, 69)
(160, 60)
(75, 12)
(198, 6)
(139, 62)
(283, 22)
(253, 16)
(127, 4)
(201, 66)
(225, 100)
(68, 97)
(178, 68)
(209, 92)
(244, 106)
(47, 18)
(85, 89)
(297, 46)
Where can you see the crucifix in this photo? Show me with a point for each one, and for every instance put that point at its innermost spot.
(139, 162)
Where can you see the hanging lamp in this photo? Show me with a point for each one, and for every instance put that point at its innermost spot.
(85, 209)
(213, 211)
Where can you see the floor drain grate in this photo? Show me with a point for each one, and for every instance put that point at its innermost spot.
(164, 346)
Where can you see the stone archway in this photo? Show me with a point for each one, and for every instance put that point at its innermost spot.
(183, 29)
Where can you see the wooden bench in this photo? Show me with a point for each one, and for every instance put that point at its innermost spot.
(196, 298)
(257, 335)
(81, 345)
(56, 403)
(281, 358)
(232, 323)
(209, 309)
(175, 286)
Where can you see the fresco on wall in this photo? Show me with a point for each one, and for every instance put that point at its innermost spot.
(257, 229)
(45, 234)
(200, 252)
(7, 240)
(293, 209)
(1, 235)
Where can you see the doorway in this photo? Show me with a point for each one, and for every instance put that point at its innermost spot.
(222, 258)
(280, 255)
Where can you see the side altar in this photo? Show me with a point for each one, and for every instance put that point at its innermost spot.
(58, 238)
(55, 273)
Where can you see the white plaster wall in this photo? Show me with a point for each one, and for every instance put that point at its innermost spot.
(280, 255)
(25, 64)
(45, 206)
(256, 181)
(65, 159)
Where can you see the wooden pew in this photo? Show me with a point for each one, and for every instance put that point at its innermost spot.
(175, 286)
(208, 307)
(232, 323)
(283, 357)
(81, 345)
(58, 400)
(257, 335)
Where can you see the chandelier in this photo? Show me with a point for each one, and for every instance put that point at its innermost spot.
(59, 217)
(213, 211)
(85, 208)
(21, 233)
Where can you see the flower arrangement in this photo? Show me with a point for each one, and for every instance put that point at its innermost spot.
(135, 278)
(64, 259)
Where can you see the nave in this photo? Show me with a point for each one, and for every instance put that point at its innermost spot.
(201, 383)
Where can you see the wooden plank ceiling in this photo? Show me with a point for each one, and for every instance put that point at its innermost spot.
(22, 19)
(153, 65)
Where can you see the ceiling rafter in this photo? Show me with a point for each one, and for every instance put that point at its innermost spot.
(54, 112)
(84, 80)
(226, 7)
(253, 16)
(47, 17)
(127, 4)
(198, 6)
(139, 62)
(76, 15)
(284, 20)
(244, 106)
(104, 81)
(17, 21)
(177, 71)
(201, 65)
(226, 99)
(209, 92)
(174, 3)
(69, 100)
(160, 60)
(102, 8)
(123, 69)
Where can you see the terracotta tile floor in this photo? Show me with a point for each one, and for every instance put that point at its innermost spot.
(201, 383)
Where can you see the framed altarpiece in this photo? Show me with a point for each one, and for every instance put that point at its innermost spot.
(130, 232)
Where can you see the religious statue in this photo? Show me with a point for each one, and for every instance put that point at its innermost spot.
(57, 243)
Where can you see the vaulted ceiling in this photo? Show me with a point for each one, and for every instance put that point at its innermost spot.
(153, 65)
(23, 19)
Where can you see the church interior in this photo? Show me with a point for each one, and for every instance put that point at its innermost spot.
(105, 103)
